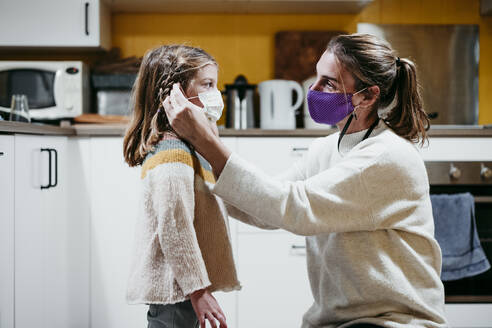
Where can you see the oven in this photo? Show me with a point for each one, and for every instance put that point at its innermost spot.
(475, 177)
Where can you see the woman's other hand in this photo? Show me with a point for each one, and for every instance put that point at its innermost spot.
(207, 308)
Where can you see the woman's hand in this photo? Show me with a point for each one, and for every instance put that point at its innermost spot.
(189, 122)
(207, 308)
(187, 119)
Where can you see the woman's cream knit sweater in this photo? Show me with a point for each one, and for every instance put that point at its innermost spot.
(366, 212)
(181, 240)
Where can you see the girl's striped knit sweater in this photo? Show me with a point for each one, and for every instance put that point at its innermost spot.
(182, 237)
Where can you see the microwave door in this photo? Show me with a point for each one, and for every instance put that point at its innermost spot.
(36, 84)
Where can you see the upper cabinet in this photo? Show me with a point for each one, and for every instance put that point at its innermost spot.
(240, 6)
(55, 23)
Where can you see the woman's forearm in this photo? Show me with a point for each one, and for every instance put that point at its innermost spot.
(214, 151)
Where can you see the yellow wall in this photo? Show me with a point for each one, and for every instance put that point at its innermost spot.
(245, 43)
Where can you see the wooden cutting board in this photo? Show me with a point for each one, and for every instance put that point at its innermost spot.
(101, 119)
(297, 52)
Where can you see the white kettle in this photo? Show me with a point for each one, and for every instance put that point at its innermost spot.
(276, 108)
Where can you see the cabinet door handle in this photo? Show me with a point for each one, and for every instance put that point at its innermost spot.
(56, 168)
(298, 250)
(86, 18)
(49, 168)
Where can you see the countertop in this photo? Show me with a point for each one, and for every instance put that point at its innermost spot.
(96, 130)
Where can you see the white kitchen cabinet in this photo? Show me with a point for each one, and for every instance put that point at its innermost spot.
(228, 301)
(272, 264)
(469, 315)
(55, 23)
(51, 267)
(7, 231)
(276, 290)
(115, 191)
(272, 155)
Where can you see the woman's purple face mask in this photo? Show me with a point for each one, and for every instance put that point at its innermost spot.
(329, 107)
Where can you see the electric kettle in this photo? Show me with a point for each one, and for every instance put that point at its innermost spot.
(240, 99)
(276, 108)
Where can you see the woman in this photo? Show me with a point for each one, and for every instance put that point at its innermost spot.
(182, 251)
(360, 196)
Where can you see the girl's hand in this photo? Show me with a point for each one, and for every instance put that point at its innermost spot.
(207, 308)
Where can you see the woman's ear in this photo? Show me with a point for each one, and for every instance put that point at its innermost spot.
(367, 98)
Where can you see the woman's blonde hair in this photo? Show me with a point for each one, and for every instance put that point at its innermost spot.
(161, 67)
(372, 61)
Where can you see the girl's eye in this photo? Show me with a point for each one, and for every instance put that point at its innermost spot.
(209, 85)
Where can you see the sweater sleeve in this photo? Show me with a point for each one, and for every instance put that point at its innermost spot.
(294, 173)
(174, 203)
(335, 200)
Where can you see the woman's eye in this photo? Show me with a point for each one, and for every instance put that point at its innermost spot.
(330, 86)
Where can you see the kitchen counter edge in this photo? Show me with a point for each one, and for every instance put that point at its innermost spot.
(93, 130)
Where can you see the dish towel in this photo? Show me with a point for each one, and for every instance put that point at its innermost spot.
(456, 233)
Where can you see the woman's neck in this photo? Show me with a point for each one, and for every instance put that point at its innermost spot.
(363, 122)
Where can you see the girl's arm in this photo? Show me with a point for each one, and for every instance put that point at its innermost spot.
(173, 199)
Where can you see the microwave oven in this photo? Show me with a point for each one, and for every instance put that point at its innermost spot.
(55, 90)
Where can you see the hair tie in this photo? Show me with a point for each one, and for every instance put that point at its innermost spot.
(398, 61)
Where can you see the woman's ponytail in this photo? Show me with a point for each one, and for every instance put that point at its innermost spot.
(408, 118)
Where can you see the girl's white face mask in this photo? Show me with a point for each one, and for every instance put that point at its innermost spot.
(213, 104)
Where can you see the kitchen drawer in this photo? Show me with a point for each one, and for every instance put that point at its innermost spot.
(457, 149)
(273, 155)
(469, 315)
(270, 267)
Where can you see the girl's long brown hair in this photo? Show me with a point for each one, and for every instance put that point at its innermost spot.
(372, 61)
(161, 67)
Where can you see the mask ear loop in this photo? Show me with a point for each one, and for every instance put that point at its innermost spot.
(354, 113)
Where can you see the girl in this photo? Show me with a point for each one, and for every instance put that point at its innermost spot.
(183, 250)
(361, 196)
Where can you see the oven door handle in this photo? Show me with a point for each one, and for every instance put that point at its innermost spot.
(483, 199)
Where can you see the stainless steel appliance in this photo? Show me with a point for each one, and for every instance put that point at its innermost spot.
(474, 177)
(55, 89)
(447, 58)
(112, 93)
(240, 104)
